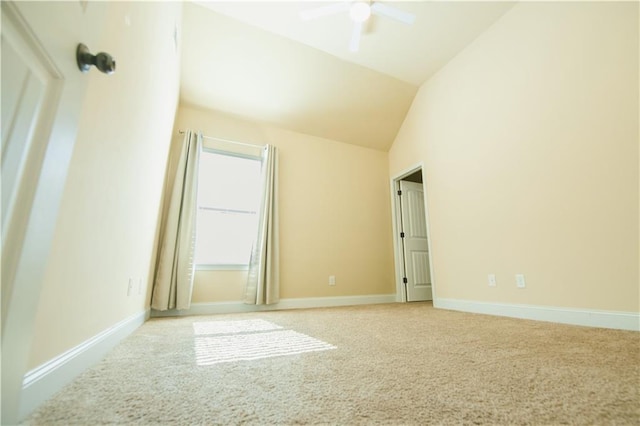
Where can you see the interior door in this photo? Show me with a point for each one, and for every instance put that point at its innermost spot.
(42, 95)
(414, 242)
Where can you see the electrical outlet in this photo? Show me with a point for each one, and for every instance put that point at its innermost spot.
(492, 280)
(520, 281)
(332, 280)
(130, 287)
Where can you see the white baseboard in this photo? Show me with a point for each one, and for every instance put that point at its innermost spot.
(590, 318)
(311, 302)
(44, 381)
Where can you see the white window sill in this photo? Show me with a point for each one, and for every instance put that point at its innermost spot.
(222, 267)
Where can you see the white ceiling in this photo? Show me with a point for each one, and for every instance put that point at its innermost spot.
(260, 61)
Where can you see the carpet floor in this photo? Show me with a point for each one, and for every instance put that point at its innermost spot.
(392, 364)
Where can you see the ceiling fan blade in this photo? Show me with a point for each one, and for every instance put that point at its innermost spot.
(370, 25)
(354, 44)
(382, 9)
(319, 12)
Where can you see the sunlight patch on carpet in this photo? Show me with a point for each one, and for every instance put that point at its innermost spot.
(232, 327)
(231, 341)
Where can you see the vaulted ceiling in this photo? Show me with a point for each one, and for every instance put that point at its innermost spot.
(260, 61)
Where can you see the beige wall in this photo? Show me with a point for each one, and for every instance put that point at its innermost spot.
(107, 224)
(530, 144)
(335, 217)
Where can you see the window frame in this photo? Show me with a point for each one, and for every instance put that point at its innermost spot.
(223, 266)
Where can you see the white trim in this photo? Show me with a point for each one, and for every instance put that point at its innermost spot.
(398, 258)
(205, 267)
(301, 303)
(585, 317)
(44, 381)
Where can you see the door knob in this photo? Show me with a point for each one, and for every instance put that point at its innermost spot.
(103, 61)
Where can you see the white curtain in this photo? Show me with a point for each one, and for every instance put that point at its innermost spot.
(173, 283)
(264, 275)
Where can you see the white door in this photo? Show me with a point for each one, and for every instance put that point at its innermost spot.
(42, 95)
(414, 242)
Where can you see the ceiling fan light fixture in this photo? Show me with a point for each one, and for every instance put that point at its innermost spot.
(360, 11)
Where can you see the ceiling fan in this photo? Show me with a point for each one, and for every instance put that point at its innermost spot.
(359, 12)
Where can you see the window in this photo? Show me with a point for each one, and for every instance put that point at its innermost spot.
(228, 202)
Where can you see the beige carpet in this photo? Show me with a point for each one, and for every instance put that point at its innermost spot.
(395, 364)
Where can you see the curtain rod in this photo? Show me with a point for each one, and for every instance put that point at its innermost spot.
(227, 140)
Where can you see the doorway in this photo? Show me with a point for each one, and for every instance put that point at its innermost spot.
(411, 238)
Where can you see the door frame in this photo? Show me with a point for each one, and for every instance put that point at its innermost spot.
(401, 294)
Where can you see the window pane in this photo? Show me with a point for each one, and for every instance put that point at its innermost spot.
(228, 182)
(224, 238)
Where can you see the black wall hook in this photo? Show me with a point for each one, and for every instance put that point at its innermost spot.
(103, 61)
